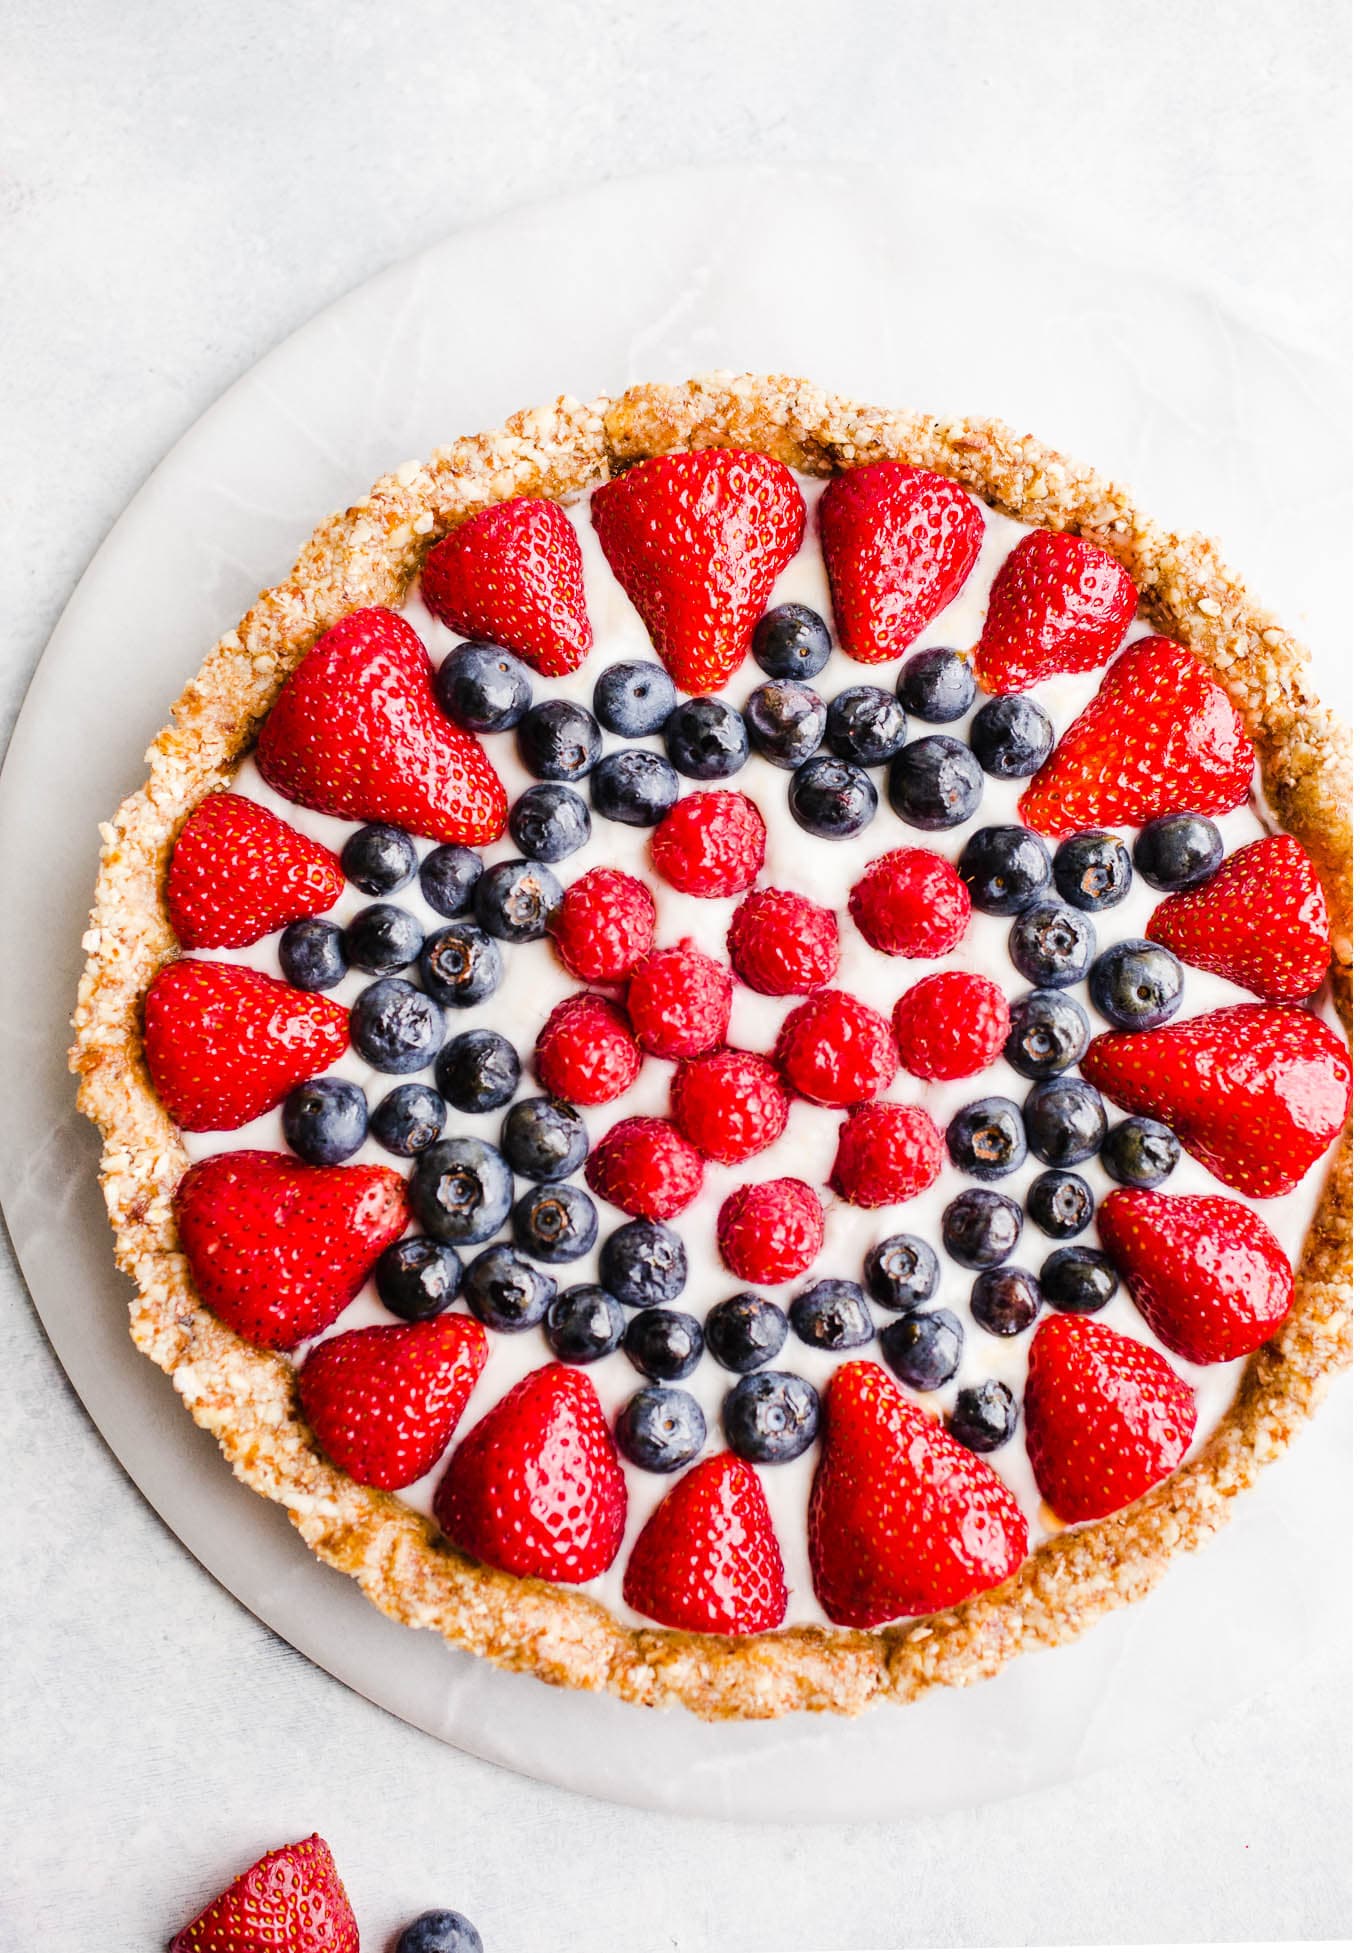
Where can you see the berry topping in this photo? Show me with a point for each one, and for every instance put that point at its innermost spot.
(987, 1138)
(517, 901)
(791, 641)
(679, 1001)
(1005, 1301)
(886, 1154)
(513, 573)
(937, 685)
(644, 1264)
(1207, 1273)
(238, 872)
(1177, 851)
(771, 1231)
(1049, 1032)
(634, 787)
(1058, 604)
(661, 1429)
(380, 859)
(460, 1190)
(1061, 1204)
(664, 1344)
(1064, 1121)
(772, 1417)
(831, 1315)
(902, 1272)
(950, 1025)
(1004, 868)
(865, 725)
(505, 1291)
(583, 1324)
(460, 965)
(634, 699)
(548, 822)
(710, 844)
(1092, 870)
(646, 1167)
(1011, 736)
(483, 688)
(605, 926)
(477, 1071)
(899, 543)
(555, 1222)
(785, 721)
(745, 1332)
(291, 1898)
(783, 945)
(382, 939)
(558, 740)
(418, 1278)
(1137, 985)
(984, 1416)
(706, 739)
(1261, 920)
(396, 1028)
(448, 876)
(544, 1139)
(707, 1560)
(312, 954)
(1140, 1152)
(836, 1050)
(1051, 944)
(325, 1120)
(1078, 1280)
(980, 1228)
(934, 783)
(910, 903)
(383, 1403)
(832, 799)
(585, 1052)
(730, 1104)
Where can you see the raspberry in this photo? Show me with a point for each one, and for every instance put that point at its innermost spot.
(646, 1167)
(887, 1154)
(679, 1001)
(585, 1052)
(606, 924)
(770, 1232)
(731, 1104)
(835, 1050)
(781, 944)
(910, 903)
(951, 1024)
(710, 844)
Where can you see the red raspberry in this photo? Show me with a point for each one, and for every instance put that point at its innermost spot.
(646, 1167)
(770, 1232)
(606, 924)
(783, 945)
(910, 903)
(731, 1104)
(887, 1154)
(710, 844)
(835, 1050)
(951, 1024)
(679, 1001)
(585, 1052)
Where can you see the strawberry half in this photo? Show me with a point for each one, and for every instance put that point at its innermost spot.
(536, 1487)
(903, 1518)
(513, 574)
(1058, 603)
(697, 541)
(1257, 1092)
(1161, 736)
(1261, 920)
(225, 1043)
(277, 1248)
(1208, 1275)
(1106, 1418)
(384, 1402)
(238, 873)
(898, 543)
(707, 1559)
(356, 732)
(289, 1901)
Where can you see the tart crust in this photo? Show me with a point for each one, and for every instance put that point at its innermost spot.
(246, 1397)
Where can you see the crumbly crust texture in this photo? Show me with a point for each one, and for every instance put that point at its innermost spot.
(246, 1397)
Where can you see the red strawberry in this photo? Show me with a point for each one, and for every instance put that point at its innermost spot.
(1161, 735)
(899, 543)
(586, 1052)
(1106, 1418)
(289, 1901)
(536, 1487)
(886, 1154)
(710, 844)
(730, 1104)
(697, 541)
(911, 903)
(513, 574)
(225, 1043)
(679, 1001)
(384, 1402)
(645, 1167)
(903, 1519)
(277, 1248)
(836, 1050)
(1257, 1092)
(771, 1231)
(1058, 604)
(951, 1024)
(1261, 920)
(605, 925)
(1208, 1275)
(356, 732)
(238, 873)
(781, 944)
(707, 1559)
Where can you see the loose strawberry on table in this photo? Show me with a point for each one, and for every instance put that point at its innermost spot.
(291, 1901)
(513, 574)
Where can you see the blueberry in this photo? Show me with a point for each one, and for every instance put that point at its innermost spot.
(558, 740)
(478, 1071)
(418, 1278)
(1051, 944)
(448, 876)
(555, 1222)
(325, 1120)
(1092, 870)
(706, 739)
(394, 1027)
(517, 900)
(1061, 1204)
(937, 685)
(460, 965)
(312, 954)
(831, 798)
(865, 724)
(382, 939)
(506, 1292)
(1137, 985)
(460, 1190)
(979, 1228)
(771, 1417)
(644, 1264)
(745, 1332)
(1140, 1152)
(924, 1350)
(379, 859)
(583, 1324)
(1004, 1300)
(482, 687)
(902, 1272)
(934, 783)
(633, 786)
(634, 699)
(785, 721)
(665, 1344)
(1078, 1280)
(544, 1139)
(548, 822)
(1065, 1121)
(661, 1430)
(1049, 1032)
(831, 1315)
(791, 641)
(1011, 736)
(987, 1138)
(1005, 868)
(440, 1932)
(984, 1416)
(409, 1119)
(1177, 851)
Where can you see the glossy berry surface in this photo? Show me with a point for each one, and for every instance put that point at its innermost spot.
(1137, 985)
(902, 1272)
(1048, 1033)
(440, 1932)
(1178, 851)
(517, 901)
(980, 1228)
(557, 740)
(312, 954)
(460, 1190)
(831, 798)
(785, 721)
(325, 1120)
(984, 1416)
(544, 1139)
(781, 944)
(418, 1278)
(937, 685)
(1092, 870)
(382, 939)
(771, 1417)
(505, 1291)
(555, 1222)
(987, 1138)
(550, 821)
(1052, 945)
(634, 787)
(583, 1324)
(1065, 1121)
(791, 641)
(379, 859)
(395, 1027)
(448, 876)
(664, 1344)
(1004, 868)
(831, 1315)
(644, 1264)
(925, 1350)
(1004, 1301)
(659, 1430)
(1140, 1152)
(745, 1332)
(408, 1119)
(1078, 1280)
(634, 699)
(706, 739)
(934, 783)
(1060, 1204)
(866, 725)
(460, 965)
(1011, 736)
(483, 688)
(477, 1071)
